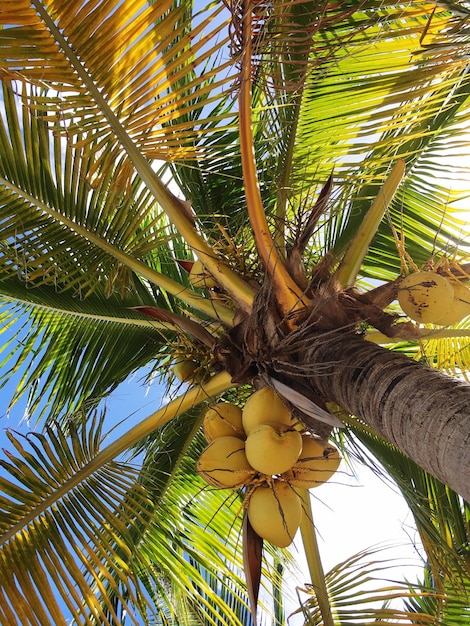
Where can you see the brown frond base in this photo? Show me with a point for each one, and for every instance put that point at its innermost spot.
(264, 345)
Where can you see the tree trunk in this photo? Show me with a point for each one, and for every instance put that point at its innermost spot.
(421, 411)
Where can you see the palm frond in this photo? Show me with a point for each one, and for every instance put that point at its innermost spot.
(53, 356)
(118, 217)
(66, 549)
(136, 537)
(359, 596)
(154, 50)
(453, 611)
(449, 354)
(360, 111)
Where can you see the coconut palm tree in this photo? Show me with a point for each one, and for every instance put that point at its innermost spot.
(292, 148)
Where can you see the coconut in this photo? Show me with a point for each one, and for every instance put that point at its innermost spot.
(223, 419)
(426, 296)
(224, 464)
(265, 407)
(317, 463)
(187, 371)
(200, 278)
(459, 307)
(275, 512)
(273, 448)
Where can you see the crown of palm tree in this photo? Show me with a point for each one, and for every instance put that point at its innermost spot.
(292, 147)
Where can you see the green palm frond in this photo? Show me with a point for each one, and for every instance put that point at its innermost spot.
(89, 114)
(39, 170)
(77, 284)
(100, 536)
(359, 596)
(66, 548)
(453, 611)
(361, 114)
(58, 348)
(143, 71)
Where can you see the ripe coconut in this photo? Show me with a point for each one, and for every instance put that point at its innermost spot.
(200, 278)
(223, 419)
(459, 307)
(426, 296)
(273, 448)
(188, 371)
(265, 407)
(224, 464)
(275, 512)
(317, 463)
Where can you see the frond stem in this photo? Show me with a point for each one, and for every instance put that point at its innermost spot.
(350, 265)
(288, 293)
(312, 553)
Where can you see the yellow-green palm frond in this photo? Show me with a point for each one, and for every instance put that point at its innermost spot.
(359, 595)
(75, 224)
(450, 354)
(41, 172)
(134, 56)
(92, 540)
(382, 97)
(67, 552)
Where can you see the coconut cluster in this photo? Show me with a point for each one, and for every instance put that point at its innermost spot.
(262, 449)
(430, 298)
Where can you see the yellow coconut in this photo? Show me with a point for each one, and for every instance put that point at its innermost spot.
(317, 463)
(426, 296)
(224, 464)
(265, 406)
(273, 448)
(188, 371)
(200, 278)
(459, 306)
(275, 512)
(223, 419)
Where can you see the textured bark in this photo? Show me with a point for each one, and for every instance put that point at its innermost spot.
(421, 411)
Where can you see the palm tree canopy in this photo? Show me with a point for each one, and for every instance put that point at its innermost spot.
(275, 122)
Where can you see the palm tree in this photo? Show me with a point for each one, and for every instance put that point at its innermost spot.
(303, 139)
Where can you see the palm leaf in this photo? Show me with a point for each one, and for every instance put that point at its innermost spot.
(114, 227)
(111, 132)
(153, 51)
(358, 596)
(59, 542)
(451, 354)
(344, 96)
(453, 611)
(104, 523)
(73, 335)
